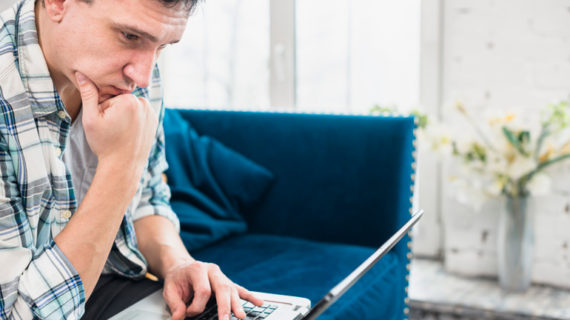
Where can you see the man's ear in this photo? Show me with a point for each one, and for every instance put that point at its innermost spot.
(55, 9)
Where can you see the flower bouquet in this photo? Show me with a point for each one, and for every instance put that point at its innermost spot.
(504, 156)
(507, 157)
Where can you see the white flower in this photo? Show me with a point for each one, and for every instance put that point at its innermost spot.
(495, 188)
(469, 191)
(539, 185)
(495, 149)
(497, 163)
(520, 166)
(559, 142)
(438, 137)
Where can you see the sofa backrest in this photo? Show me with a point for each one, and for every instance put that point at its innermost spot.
(330, 170)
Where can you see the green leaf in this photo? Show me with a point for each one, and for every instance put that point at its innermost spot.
(514, 140)
(544, 132)
(422, 118)
(524, 137)
(455, 149)
(480, 152)
(380, 109)
(545, 164)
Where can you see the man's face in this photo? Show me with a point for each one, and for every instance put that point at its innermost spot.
(115, 43)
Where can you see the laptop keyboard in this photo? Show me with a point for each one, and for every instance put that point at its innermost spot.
(252, 311)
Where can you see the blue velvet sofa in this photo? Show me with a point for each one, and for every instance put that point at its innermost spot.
(334, 188)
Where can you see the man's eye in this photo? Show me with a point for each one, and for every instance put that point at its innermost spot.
(130, 36)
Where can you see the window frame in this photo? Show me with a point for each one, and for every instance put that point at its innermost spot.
(282, 54)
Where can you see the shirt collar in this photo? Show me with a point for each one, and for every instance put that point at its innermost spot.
(32, 65)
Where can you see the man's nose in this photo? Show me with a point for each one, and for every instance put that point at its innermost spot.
(139, 69)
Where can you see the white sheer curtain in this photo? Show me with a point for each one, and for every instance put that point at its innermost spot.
(222, 60)
(350, 55)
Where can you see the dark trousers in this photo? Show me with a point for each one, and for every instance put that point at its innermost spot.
(113, 294)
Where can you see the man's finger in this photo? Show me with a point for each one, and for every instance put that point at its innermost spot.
(247, 295)
(237, 306)
(223, 299)
(202, 290)
(175, 303)
(88, 90)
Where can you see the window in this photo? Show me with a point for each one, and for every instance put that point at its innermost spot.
(222, 58)
(348, 55)
(354, 54)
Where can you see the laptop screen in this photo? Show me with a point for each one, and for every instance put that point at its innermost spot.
(336, 292)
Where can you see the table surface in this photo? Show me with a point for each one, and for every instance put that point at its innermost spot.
(431, 287)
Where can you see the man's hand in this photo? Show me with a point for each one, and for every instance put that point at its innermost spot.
(121, 130)
(197, 281)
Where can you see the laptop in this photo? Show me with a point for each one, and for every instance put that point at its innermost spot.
(275, 307)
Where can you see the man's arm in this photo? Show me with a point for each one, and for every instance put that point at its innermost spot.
(160, 244)
(36, 284)
(88, 237)
(120, 131)
(156, 227)
(184, 277)
(56, 281)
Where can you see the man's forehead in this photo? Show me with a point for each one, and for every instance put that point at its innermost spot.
(172, 11)
(150, 19)
(182, 6)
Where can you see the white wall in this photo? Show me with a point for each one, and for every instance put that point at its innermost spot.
(4, 4)
(499, 55)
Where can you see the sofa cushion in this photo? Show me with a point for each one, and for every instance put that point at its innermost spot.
(211, 184)
(293, 266)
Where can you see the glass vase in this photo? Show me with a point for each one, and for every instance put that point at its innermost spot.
(515, 245)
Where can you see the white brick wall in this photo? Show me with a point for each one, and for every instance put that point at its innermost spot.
(507, 54)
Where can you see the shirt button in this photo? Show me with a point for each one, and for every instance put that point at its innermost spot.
(66, 214)
(58, 151)
(61, 114)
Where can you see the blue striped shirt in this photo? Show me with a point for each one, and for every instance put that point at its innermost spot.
(37, 197)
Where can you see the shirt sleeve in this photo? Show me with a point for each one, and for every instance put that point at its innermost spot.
(34, 282)
(155, 195)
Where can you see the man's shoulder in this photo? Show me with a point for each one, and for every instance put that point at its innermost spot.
(11, 86)
(7, 40)
(17, 24)
(8, 21)
(13, 95)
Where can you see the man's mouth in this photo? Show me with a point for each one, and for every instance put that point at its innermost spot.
(105, 97)
(112, 91)
(118, 91)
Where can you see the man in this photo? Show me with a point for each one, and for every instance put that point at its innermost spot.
(81, 158)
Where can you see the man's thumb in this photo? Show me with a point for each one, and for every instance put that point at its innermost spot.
(88, 91)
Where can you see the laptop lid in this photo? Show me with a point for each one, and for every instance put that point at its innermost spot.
(336, 292)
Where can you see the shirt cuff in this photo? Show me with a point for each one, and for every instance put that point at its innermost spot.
(52, 286)
(164, 211)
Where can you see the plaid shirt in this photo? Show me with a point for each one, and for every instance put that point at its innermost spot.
(36, 193)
